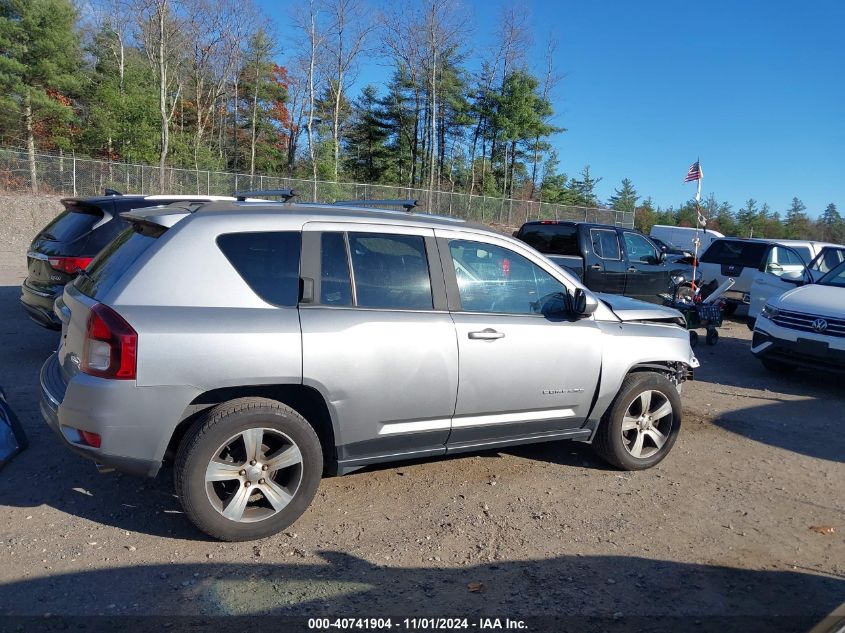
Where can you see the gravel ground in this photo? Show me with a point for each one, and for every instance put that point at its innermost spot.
(721, 527)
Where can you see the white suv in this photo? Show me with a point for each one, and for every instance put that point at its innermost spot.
(804, 327)
(743, 260)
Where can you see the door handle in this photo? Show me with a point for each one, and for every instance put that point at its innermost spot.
(487, 334)
(595, 267)
(632, 269)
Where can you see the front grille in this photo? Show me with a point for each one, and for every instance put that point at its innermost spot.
(804, 323)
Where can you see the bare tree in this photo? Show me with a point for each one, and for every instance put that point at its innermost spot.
(216, 31)
(310, 22)
(550, 81)
(345, 43)
(161, 33)
(403, 40)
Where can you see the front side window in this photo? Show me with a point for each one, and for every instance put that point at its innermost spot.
(639, 249)
(268, 262)
(390, 271)
(495, 279)
(605, 244)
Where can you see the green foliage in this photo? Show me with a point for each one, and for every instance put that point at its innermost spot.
(625, 198)
(39, 68)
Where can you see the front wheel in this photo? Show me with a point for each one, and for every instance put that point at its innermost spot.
(642, 424)
(248, 469)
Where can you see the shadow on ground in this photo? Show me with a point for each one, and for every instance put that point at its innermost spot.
(346, 585)
(801, 426)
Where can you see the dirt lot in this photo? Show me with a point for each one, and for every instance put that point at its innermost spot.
(722, 527)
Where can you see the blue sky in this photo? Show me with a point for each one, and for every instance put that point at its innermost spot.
(755, 89)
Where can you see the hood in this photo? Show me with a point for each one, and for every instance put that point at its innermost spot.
(813, 299)
(628, 309)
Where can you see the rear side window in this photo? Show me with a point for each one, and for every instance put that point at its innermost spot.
(735, 252)
(390, 271)
(552, 239)
(267, 261)
(113, 260)
(335, 286)
(605, 244)
(72, 224)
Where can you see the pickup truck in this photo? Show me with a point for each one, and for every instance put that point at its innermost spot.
(606, 258)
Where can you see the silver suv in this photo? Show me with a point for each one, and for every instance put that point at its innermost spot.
(257, 346)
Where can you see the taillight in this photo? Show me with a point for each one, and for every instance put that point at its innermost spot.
(111, 345)
(69, 265)
(91, 439)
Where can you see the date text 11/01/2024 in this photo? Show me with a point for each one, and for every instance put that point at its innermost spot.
(414, 624)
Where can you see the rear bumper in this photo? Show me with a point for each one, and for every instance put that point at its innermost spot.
(38, 304)
(66, 422)
(776, 343)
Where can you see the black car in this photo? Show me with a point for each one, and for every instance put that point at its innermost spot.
(606, 258)
(68, 244)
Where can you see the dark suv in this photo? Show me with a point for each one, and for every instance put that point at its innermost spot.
(69, 243)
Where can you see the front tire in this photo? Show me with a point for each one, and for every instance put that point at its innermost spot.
(642, 424)
(248, 469)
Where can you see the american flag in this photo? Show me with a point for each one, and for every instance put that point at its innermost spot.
(694, 172)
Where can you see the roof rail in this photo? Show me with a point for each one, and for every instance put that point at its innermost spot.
(408, 205)
(287, 194)
(112, 192)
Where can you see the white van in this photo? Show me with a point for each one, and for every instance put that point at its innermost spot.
(684, 236)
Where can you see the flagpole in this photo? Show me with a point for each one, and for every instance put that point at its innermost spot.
(697, 223)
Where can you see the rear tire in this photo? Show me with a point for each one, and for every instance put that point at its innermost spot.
(693, 338)
(778, 366)
(248, 469)
(642, 424)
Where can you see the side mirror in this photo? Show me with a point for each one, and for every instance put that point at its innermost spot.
(794, 277)
(583, 303)
(662, 256)
(515, 233)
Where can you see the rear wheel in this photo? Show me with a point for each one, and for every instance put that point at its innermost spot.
(730, 308)
(777, 366)
(248, 469)
(642, 424)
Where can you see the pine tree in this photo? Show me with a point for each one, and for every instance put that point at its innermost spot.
(797, 224)
(39, 70)
(624, 199)
(366, 141)
(583, 189)
(746, 218)
(832, 225)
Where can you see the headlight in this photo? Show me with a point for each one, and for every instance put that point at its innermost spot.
(769, 312)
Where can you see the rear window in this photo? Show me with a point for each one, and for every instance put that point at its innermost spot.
(267, 261)
(552, 239)
(113, 260)
(72, 224)
(735, 252)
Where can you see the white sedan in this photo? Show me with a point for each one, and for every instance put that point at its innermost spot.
(804, 327)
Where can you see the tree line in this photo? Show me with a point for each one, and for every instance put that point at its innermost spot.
(211, 85)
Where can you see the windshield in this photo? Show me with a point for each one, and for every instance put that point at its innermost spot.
(71, 224)
(113, 261)
(835, 277)
(735, 252)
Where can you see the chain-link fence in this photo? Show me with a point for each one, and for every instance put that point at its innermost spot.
(69, 175)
